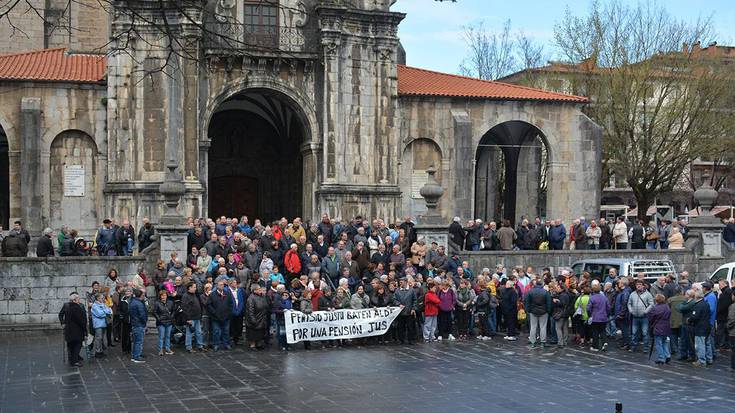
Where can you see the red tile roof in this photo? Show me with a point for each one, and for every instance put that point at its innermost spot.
(53, 65)
(420, 82)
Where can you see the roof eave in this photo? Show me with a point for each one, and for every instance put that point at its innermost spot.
(498, 99)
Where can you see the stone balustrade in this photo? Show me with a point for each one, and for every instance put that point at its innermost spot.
(35, 289)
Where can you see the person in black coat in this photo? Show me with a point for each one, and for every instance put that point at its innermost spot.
(145, 234)
(509, 304)
(45, 247)
(219, 308)
(456, 236)
(74, 320)
(14, 245)
(258, 311)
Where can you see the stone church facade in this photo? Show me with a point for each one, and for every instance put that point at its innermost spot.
(293, 108)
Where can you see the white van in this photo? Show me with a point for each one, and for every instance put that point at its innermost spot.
(724, 272)
(599, 268)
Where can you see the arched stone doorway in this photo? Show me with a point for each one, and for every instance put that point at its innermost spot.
(511, 172)
(255, 162)
(4, 181)
(73, 152)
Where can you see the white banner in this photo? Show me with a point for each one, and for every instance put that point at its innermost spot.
(338, 324)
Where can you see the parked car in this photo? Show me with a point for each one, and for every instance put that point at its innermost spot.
(723, 272)
(600, 267)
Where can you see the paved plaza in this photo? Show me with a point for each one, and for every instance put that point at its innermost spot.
(441, 377)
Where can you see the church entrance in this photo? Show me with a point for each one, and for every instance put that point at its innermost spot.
(255, 164)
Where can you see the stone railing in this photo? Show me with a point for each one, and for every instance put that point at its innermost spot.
(233, 36)
(35, 289)
(684, 260)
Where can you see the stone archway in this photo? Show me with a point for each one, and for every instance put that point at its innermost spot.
(257, 157)
(511, 172)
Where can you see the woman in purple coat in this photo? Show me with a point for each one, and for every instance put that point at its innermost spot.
(659, 320)
(598, 308)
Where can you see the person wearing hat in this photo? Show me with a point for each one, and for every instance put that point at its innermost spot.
(405, 297)
(73, 318)
(105, 240)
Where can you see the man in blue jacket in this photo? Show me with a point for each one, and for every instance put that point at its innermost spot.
(557, 235)
(711, 300)
(219, 309)
(138, 321)
(238, 311)
(622, 316)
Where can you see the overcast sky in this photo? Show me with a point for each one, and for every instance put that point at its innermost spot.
(432, 31)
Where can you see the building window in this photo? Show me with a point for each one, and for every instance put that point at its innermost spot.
(261, 23)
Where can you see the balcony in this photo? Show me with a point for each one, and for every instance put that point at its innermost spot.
(251, 39)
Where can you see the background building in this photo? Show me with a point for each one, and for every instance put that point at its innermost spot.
(290, 108)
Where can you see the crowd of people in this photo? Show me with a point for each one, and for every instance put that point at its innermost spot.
(553, 235)
(234, 286)
(111, 239)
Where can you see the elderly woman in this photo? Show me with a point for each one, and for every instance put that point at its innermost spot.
(204, 260)
(676, 240)
(257, 314)
(163, 311)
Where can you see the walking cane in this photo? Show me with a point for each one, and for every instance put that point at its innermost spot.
(63, 350)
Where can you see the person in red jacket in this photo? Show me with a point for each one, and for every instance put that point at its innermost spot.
(431, 311)
(292, 262)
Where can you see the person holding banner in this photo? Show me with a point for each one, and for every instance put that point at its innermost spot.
(405, 298)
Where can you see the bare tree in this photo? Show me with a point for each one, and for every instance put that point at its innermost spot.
(157, 24)
(658, 102)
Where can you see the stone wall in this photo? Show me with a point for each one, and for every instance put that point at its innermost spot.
(33, 115)
(684, 260)
(35, 289)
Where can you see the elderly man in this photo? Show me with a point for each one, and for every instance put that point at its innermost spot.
(219, 309)
(73, 318)
(45, 247)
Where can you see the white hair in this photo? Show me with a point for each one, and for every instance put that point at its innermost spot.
(456, 219)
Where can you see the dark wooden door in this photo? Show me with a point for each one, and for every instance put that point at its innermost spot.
(233, 196)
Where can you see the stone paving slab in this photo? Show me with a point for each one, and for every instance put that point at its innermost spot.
(468, 376)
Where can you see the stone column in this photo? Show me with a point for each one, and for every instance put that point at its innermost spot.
(172, 230)
(430, 226)
(30, 158)
(464, 154)
(705, 230)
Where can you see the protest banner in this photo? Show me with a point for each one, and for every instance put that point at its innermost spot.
(338, 324)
